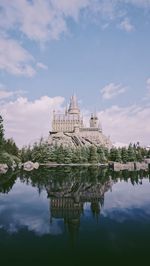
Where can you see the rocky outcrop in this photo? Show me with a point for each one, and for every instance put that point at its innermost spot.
(147, 160)
(130, 166)
(3, 168)
(80, 139)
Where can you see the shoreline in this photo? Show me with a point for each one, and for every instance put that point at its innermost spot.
(115, 166)
(132, 166)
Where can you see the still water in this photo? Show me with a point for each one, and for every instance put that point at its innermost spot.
(74, 216)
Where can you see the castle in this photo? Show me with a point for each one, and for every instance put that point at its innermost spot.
(71, 120)
(68, 128)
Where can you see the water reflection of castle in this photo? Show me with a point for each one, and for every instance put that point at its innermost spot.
(67, 201)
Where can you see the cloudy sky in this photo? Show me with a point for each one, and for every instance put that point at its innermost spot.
(96, 48)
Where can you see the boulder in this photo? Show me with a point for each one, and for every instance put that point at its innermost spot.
(36, 165)
(3, 168)
(141, 166)
(147, 160)
(29, 166)
(120, 166)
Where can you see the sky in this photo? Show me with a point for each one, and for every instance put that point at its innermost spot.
(50, 49)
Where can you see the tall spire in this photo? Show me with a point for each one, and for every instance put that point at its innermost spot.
(73, 106)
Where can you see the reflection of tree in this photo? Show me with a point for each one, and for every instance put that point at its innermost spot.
(135, 177)
(95, 208)
(70, 187)
(7, 181)
(58, 176)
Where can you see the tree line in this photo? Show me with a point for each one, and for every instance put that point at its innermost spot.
(43, 153)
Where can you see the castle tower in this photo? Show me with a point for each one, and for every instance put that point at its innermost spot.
(94, 121)
(70, 120)
(73, 107)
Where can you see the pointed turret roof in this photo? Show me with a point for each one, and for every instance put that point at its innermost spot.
(73, 106)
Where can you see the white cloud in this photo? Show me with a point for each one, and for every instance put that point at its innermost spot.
(42, 20)
(127, 124)
(15, 59)
(19, 217)
(147, 95)
(70, 8)
(126, 25)
(26, 121)
(120, 144)
(39, 20)
(119, 205)
(41, 65)
(5, 94)
(111, 90)
(105, 9)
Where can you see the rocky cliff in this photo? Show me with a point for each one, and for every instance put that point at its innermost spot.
(78, 140)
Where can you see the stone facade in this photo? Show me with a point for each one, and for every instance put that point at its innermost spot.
(69, 120)
(68, 129)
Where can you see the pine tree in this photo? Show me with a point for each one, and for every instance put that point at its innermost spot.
(118, 155)
(84, 154)
(76, 157)
(60, 154)
(26, 154)
(124, 155)
(10, 147)
(93, 158)
(139, 155)
(67, 155)
(131, 153)
(53, 154)
(112, 155)
(40, 153)
(101, 154)
(106, 152)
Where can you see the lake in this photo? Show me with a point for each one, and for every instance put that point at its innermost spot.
(74, 216)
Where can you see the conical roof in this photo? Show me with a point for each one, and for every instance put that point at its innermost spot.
(73, 106)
